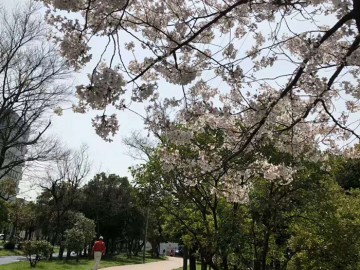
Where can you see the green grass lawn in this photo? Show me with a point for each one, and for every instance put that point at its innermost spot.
(4, 252)
(83, 264)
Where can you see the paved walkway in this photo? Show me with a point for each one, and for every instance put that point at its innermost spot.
(170, 264)
(11, 259)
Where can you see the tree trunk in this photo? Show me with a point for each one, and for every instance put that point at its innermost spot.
(12, 233)
(136, 248)
(89, 251)
(68, 254)
(155, 249)
(61, 251)
(31, 232)
(52, 243)
(225, 265)
(129, 248)
(257, 264)
(265, 249)
(113, 246)
(212, 266)
(203, 264)
(185, 258)
(192, 260)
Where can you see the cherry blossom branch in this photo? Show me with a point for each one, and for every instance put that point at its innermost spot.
(290, 86)
(201, 30)
(336, 121)
(352, 48)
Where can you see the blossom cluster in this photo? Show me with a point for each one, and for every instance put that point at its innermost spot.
(106, 88)
(105, 126)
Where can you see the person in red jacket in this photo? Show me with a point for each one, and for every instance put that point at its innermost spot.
(98, 249)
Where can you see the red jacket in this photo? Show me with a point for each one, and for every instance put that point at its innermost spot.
(99, 246)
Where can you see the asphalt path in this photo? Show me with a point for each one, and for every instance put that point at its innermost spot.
(11, 259)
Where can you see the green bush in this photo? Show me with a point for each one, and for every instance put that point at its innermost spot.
(36, 250)
(9, 245)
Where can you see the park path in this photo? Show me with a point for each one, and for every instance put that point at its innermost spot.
(11, 259)
(170, 264)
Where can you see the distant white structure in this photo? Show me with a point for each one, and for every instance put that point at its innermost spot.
(168, 247)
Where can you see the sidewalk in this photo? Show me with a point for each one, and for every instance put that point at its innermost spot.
(11, 259)
(170, 264)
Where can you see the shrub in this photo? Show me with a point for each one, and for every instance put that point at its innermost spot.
(9, 245)
(36, 250)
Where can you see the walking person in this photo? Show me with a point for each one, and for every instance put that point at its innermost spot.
(98, 250)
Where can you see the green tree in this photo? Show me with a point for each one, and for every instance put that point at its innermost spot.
(327, 237)
(75, 240)
(346, 171)
(7, 188)
(61, 192)
(4, 214)
(81, 235)
(19, 215)
(110, 201)
(87, 227)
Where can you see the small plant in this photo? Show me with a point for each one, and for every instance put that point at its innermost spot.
(9, 245)
(36, 250)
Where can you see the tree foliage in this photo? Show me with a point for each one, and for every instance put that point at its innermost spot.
(110, 201)
(80, 235)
